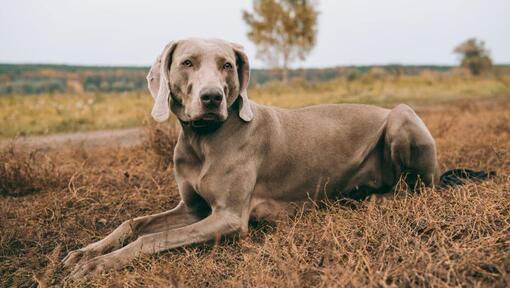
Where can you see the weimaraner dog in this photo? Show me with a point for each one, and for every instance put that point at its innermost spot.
(236, 159)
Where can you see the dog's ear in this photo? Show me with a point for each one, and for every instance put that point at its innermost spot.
(159, 85)
(243, 72)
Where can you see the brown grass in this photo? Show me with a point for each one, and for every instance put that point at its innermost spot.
(24, 173)
(56, 201)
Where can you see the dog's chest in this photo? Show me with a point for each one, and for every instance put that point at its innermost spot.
(188, 170)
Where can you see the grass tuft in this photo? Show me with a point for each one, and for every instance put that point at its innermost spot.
(24, 173)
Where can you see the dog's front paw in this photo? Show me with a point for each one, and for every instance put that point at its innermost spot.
(76, 256)
(91, 268)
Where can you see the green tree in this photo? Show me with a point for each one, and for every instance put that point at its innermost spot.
(282, 30)
(475, 56)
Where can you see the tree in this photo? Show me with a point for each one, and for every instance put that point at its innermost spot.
(282, 30)
(475, 56)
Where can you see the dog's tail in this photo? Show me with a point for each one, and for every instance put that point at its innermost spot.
(460, 176)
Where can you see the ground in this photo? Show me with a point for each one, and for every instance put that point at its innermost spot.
(54, 201)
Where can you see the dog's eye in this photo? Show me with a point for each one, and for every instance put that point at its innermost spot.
(187, 63)
(227, 66)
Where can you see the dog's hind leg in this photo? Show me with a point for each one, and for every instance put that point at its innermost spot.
(411, 146)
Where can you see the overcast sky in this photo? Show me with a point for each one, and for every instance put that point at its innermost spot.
(133, 32)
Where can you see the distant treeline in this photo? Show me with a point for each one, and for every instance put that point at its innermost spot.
(34, 79)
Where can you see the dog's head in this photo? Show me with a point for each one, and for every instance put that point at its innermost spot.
(200, 80)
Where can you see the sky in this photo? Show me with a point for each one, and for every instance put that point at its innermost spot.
(350, 32)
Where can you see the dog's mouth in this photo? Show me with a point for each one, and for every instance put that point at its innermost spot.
(207, 122)
(209, 117)
(204, 123)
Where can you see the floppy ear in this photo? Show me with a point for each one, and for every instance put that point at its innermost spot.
(159, 85)
(243, 72)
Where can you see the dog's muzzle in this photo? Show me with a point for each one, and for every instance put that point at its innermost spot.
(211, 98)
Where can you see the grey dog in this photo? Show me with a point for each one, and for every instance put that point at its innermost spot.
(236, 159)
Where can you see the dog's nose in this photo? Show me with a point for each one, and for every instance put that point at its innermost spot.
(211, 97)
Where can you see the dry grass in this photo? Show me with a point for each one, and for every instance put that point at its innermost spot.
(437, 88)
(455, 237)
(58, 113)
(19, 176)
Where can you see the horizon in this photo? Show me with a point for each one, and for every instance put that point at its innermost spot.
(131, 34)
(253, 68)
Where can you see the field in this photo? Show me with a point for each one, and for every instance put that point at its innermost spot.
(69, 112)
(52, 202)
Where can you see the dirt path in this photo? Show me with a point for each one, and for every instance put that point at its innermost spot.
(119, 137)
(134, 136)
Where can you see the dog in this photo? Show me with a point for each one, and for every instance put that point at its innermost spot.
(236, 159)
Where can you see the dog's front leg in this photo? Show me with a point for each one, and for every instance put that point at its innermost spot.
(177, 217)
(219, 223)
